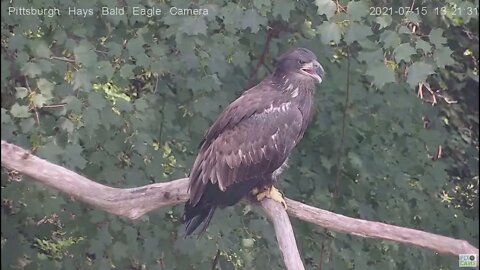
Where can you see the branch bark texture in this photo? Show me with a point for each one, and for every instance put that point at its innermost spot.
(136, 202)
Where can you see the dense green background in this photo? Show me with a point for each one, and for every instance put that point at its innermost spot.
(125, 100)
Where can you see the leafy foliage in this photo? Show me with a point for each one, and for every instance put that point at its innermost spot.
(125, 99)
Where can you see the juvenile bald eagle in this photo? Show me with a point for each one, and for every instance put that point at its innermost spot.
(246, 148)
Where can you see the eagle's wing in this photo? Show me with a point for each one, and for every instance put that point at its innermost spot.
(252, 138)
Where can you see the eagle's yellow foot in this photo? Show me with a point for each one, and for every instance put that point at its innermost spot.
(269, 192)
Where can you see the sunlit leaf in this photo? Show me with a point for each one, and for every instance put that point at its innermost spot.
(19, 111)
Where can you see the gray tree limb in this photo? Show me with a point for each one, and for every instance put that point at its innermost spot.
(136, 202)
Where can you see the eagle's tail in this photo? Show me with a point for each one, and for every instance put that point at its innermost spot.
(196, 215)
(213, 197)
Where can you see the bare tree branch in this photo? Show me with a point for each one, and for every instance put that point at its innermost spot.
(129, 202)
(136, 202)
(373, 229)
(284, 233)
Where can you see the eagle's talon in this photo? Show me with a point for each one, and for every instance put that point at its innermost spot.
(270, 192)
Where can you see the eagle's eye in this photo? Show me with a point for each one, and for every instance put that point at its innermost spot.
(301, 62)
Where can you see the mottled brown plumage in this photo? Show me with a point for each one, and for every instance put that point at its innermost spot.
(247, 146)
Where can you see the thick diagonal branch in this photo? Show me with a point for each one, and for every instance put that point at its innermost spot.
(135, 202)
(129, 202)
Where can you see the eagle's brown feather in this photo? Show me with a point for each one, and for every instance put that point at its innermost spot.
(250, 141)
(254, 146)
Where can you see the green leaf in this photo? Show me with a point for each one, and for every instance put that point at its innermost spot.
(436, 37)
(391, 39)
(50, 151)
(19, 111)
(403, 52)
(357, 32)
(381, 74)
(18, 42)
(443, 57)
(109, 118)
(357, 10)
(27, 125)
(114, 49)
(60, 36)
(404, 30)
(104, 237)
(39, 100)
(41, 49)
(413, 17)
(131, 235)
(141, 104)
(423, 45)
(253, 20)
(45, 65)
(217, 63)
(418, 72)
(21, 92)
(260, 4)
(150, 243)
(105, 69)
(193, 26)
(126, 71)
(123, 105)
(204, 107)
(31, 70)
(73, 104)
(73, 156)
(371, 56)
(282, 8)
(240, 58)
(96, 100)
(142, 60)
(85, 55)
(91, 119)
(327, 7)
(135, 46)
(5, 118)
(248, 242)
(384, 21)
(232, 16)
(82, 80)
(45, 87)
(67, 125)
(329, 32)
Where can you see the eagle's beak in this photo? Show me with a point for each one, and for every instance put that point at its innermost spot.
(314, 70)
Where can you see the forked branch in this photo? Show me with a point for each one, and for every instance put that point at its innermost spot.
(136, 202)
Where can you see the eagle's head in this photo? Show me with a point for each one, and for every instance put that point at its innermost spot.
(300, 64)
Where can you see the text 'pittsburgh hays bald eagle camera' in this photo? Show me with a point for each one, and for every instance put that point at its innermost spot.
(246, 148)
